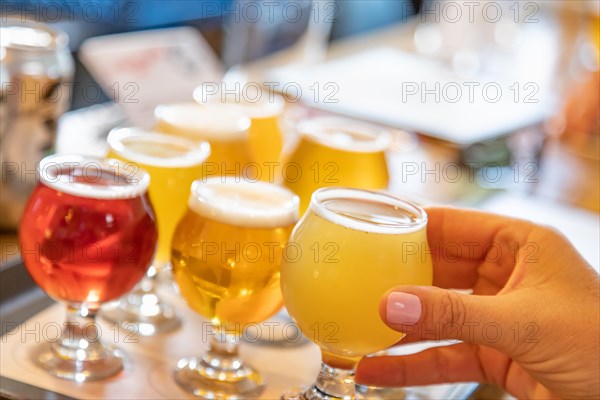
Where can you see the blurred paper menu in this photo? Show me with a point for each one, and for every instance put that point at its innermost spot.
(140, 70)
(408, 91)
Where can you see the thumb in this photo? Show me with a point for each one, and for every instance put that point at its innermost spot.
(431, 313)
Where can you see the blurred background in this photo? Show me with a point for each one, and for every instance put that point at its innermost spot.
(491, 104)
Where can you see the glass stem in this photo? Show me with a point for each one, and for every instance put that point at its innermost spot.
(223, 352)
(333, 382)
(80, 339)
(148, 283)
(145, 291)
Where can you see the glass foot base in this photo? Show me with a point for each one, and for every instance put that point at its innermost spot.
(362, 393)
(331, 384)
(309, 393)
(208, 381)
(104, 364)
(159, 318)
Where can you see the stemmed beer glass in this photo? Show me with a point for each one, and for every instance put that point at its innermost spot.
(226, 255)
(87, 237)
(369, 242)
(226, 130)
(173, 164)
(265, 138)
(336, 151)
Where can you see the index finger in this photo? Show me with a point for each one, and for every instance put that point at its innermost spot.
(471, 248)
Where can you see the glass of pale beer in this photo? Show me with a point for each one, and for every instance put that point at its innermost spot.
(336, 151)
(226, 255)
(173, 164)
(265, 110)
(369, 242)
(227, 131)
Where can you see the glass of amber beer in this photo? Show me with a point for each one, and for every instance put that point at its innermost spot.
(173, 164)
(370, 242)
(336, 151)
(87, 237)
(226, 254)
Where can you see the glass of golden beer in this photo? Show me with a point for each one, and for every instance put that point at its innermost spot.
(226, 130)
(173, 164)
(264, 110)
(226, 254)
(336, 151)
(355, 246)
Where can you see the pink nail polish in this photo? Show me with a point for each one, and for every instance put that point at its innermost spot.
(403, 308)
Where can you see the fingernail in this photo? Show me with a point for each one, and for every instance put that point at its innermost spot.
(403, 308)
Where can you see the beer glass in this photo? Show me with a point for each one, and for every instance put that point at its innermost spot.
(368, 242)
(173, 164)
(264, 110)
(226, 254)
(87, 237)
(36, 71)
(336, 151)
(225, 130)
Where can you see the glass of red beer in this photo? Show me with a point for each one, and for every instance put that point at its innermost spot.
(87, 236)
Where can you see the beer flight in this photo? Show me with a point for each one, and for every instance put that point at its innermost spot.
(150, 206)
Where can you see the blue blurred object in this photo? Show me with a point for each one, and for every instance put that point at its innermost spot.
(238, 30)
(284, 21)
(351, 17)
(131, 14)
(361, 16)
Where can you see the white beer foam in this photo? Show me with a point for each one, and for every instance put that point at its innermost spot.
(241, 203)
(363, 218)
(62, 172)
(211, 123)
(160, 150)
(346, 134)
(264, 107)
(253, 103)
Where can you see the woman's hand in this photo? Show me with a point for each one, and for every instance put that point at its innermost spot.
(531, 325)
